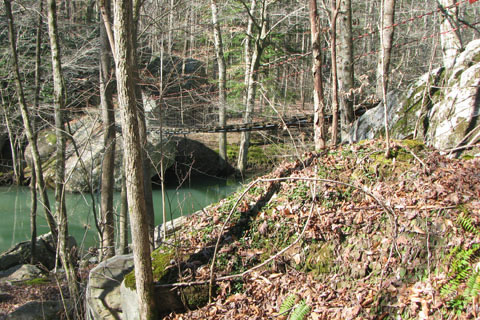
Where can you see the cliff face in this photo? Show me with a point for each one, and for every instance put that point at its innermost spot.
(441, 107)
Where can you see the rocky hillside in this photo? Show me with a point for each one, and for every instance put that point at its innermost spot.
(347, 234)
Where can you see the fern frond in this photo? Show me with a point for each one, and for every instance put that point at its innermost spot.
(465, 221)
(288, 303)
(301, 311)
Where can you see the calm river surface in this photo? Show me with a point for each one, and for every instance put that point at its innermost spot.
(15, 209)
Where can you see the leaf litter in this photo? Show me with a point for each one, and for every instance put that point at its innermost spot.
(378, 244)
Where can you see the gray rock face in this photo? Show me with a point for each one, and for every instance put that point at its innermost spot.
(167, 300)
(20, 254)
(443, 106)
(103, 299)
(83, 164)
(21, 273)
(38, 310)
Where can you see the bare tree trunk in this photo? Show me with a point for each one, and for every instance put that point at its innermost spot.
(123, 220)
(386, 34)
(59, 106)
(124, 49)
(17, 171)
(108, 163)
(252, 86)
(33, 217)
(345, 66)
(36, 103)
(333, 50)
(449, 35)
(142, 126)
(319, 107)
(222, 72)
(387, 8)
(29, 130)
(170, 28)
(246, 50)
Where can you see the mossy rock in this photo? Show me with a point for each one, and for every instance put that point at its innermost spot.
(168, 299)
(161, 259)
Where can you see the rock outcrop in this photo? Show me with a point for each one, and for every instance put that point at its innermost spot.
(103, 300)
(441, 107)
(21, 272)
(84, 154)
(21, 254)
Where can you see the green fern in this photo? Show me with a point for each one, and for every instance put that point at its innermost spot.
(301, 311)
(296, 311)
(462, 270)
(465, 221)
(288, 303)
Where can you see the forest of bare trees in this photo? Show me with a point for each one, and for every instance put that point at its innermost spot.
(204, 63)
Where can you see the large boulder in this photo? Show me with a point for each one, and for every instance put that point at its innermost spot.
(40, 310)
(441, 107)
(102, 298)
(21, 253)
(83, 166)
(21, 272)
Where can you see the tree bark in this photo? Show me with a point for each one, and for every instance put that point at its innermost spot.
(29, 129)
(59, 106)
(386, 41)
(222, 72)
(124, 49)
(252, 86)
(123, 219)
(345, 67)
(142, 126)
(108, 163)
(333, 50)
(318, 99)
(449, 36)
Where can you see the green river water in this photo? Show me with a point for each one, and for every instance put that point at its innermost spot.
(15, 209)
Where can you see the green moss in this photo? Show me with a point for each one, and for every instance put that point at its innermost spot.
(413, 144)
(160, 261)
(259, 156)
(37, 281)
(319, 259)
(50, 137)
(196, 296)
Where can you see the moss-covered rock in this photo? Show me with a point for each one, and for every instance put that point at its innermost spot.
(440, 108)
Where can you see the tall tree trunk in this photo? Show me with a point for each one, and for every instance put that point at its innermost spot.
(59, 106)
(108, 163)
(17, 170)
(142, 125)
(387, 11)
(333, 50)
(36, 103)
(385, 53)
(170, 28)
(124, 56)
(222, 72)
(345, 66)
(123, 219)
(246, 49)
(449, 34)
(29, 129)
(252, 86)
(318, 99)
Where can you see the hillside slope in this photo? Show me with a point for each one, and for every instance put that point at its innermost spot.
(346, 234)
